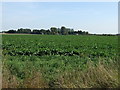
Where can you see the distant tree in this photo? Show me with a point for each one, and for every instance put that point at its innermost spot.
(71, 31)
(83, 32)
(75, 32)
(48, 32)
(64, 31)
(35, 31)
(59, 31)
(80, 32)
(27, 30)
(21, 30)
(54, 30)
(86, 33)
(11, 31)
(43, 31)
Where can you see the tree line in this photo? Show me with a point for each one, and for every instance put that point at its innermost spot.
(52, 31)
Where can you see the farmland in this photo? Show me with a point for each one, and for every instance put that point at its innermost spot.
(54, 61)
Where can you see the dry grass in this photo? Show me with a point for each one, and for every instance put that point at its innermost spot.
(101, 76)
(36, 81)
(11, 81)
(94, 77)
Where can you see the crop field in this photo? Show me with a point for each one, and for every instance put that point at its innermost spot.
(59, 61)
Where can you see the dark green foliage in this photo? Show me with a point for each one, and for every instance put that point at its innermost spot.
(53, 31)
(11, 31)
(21, 30)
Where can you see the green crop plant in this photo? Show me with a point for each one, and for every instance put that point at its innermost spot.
(57, 58)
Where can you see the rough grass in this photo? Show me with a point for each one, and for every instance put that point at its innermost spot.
(33, 79)
(99, 76)
(11, 81)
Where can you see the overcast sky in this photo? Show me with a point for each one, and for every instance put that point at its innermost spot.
(94, 17)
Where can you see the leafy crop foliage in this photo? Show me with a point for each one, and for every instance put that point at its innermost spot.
(54, 55)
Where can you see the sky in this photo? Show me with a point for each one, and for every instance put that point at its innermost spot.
(94, 17)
